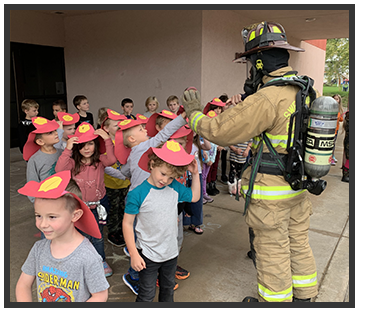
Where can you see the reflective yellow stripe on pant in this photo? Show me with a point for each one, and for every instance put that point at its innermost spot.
(269, 295)
(271, 192)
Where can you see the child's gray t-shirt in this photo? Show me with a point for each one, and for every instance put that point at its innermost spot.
(41, 166)
(70, 279)
(156, 210)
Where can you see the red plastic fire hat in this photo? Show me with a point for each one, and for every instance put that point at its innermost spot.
(68, 119)
(151, 124)
(211, 114)
(171, 152)
(53, 188)
(85, 133)
(142, 118)
(113, 115)
(182, 132)
(120, 150)
(216, 101)
(42, 125)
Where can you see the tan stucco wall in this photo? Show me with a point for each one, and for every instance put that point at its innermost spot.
(132, 54)
(136, 54)
(27, 26)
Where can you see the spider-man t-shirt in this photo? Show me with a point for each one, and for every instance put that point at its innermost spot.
(70, 279)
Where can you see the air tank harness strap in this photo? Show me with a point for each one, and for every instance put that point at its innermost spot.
(277, 161)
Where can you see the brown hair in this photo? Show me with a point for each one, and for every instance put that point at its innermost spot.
(177, 171)
(76, 155)
(78, 99)
(172, 98)
(60, 103)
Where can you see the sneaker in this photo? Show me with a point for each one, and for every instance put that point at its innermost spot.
(131, 283)
(333, 157)
(224, 179)
(107, 269)
(333, 163)
(158, 284)
(214, 189)
(204, 201)
(207, 198)
(125, 250)
(116, 240)
(181, 273)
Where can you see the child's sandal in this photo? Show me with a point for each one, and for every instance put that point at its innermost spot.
(196, 229)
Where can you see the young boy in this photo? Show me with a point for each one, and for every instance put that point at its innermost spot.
(127, 107)
(154, 202)
(82, 105)
(40, 150)
(131, 142)
(25, 127)
(65, 265)
(173, 104)
(67, 128)
(157, 121)
(58, 106)
(116, 187)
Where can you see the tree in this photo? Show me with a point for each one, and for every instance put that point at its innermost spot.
(337, 59)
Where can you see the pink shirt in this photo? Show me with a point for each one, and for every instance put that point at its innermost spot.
(90, 179)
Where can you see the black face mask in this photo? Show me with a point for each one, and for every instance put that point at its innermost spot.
(264, 63)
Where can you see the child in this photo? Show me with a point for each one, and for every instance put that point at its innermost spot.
(58, 106)
(154, 203)
(39, 150)
(68, 123)
(127, 107)
(158, 121)
(131, 142)
(84, 156)
(194, 211)
(65, 265)
(338, 99)
(116, 188)
(217, 106)
(102, 113)
(174, 106)
(151, 106)
(82, 105)
(25, 127)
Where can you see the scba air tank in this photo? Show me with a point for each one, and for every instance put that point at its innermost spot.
(320, 136)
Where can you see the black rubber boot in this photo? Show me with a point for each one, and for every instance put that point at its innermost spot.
(214, 188)
(345, 175)
(306, 300)
(249, 299)
(210, 189)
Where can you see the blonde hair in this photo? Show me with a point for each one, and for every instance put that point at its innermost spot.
(28, 103)
(161, 119)
(151, 99)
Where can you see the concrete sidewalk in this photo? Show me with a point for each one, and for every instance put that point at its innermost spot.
(220, 270)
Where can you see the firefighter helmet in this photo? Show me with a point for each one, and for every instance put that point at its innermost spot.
(264, 36)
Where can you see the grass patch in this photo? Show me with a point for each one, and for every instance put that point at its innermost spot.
(330, 90)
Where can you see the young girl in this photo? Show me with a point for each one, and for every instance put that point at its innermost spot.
(194, 211)
(151, 106)
(84, 156)
(338, 99)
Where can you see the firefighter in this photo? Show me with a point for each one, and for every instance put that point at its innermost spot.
(278, 215)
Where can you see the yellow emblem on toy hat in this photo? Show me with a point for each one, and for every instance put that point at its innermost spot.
(125, 122)
(114, 113)
(167, 112)
(142, 117)
(40, 121)
(84, 128)
(217, 100)
(173, 146)
(50, 184)
(211, 114)
(67, 118)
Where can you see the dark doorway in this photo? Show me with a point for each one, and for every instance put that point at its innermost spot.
(36, 72)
